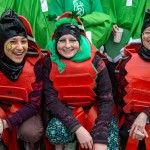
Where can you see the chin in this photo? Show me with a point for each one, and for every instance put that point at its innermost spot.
(18, 61)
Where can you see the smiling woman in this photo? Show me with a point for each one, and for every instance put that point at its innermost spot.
(134, 91)
(77, 90)
(67, 46)
(67, 40)
(16, 48)
(21, 83)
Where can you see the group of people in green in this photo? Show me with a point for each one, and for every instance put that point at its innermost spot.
(128, 16)
(86, 104)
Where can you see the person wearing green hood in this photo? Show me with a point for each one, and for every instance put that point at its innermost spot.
(97, 24)
(77, 90)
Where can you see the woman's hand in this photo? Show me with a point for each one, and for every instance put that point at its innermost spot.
(115, 29)
(97, 146)
(138, 131)
(84, 138)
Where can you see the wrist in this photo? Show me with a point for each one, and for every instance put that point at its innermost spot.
(73, 130)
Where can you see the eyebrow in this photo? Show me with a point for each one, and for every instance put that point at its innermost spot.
(147, 30)
(72, 38)
(14, 38)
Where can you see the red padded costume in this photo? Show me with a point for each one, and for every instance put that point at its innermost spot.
(138, 77)
(137, 96)
(75, 88)
(16, 93)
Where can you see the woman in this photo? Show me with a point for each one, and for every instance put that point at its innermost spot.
(134, 89)
(21, 82)
(77, 89)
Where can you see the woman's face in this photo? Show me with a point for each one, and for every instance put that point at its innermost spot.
(16, 48)
(146, 38)
(67, 46)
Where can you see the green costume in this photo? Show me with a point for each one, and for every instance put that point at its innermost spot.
(6, 4)
(82, 7)
(90, 12)
(127, 15)
(36, 11)
(100, 25)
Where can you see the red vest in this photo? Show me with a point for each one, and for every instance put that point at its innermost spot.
(138, 78)
(15, 92)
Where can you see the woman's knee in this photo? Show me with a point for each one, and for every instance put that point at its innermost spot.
(57, 133)
(31, 130)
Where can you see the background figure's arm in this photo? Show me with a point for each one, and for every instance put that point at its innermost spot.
(56, 8)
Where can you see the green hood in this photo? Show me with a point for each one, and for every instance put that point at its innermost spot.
(83, 53)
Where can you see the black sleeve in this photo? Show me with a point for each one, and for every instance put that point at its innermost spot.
(104, 100)
(53, 104)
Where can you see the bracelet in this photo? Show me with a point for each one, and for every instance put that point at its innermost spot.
(1, 127)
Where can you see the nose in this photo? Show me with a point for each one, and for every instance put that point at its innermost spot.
(19, 46)
(68, 44)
